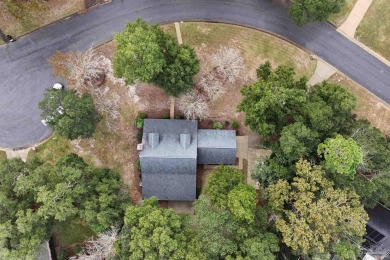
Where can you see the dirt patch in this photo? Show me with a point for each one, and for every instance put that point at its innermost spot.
(368, 106)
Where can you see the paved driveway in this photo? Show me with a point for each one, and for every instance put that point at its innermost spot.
(24, 72)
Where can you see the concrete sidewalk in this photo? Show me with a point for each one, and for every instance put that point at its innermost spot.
(323, 72)
(354, 18)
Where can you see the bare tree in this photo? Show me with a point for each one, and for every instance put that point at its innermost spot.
(108, 105)
(110, 73)
(102, 247)
(86, 69)
(193, 105)
(228, 64)
(211, 86)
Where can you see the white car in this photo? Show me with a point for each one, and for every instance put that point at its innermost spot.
(46, 121)
(58, 86)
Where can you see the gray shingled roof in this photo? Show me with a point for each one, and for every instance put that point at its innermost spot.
(169, 132)
(208, 138)
(216, 146)
(171, 151)
(169, 186)
(379, 219)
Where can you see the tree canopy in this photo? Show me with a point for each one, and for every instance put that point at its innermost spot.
(242, 202)
(150, 232)
(313, 215)
(138, 55)
(273, 101)
(146, 53)
(78, 117)
(298, 141)
(226, 237)
(221, 182)
(306, 11)
(341, 155)
(33, 195)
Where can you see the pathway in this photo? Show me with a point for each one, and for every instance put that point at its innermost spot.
(323, 72)
(25, 73)
(354, 18)
(22, 153)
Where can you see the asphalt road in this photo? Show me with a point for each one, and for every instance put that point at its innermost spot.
(25, 74)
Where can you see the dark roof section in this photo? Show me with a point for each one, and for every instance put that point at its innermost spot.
(172, 166)
(166, 132)
(169, 186)
(380, 222)
(216, 146)
(380, 219)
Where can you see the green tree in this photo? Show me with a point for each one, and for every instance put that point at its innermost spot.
(298, 141)
(313, 215)
(138, 54)
(306, 11)
(221, 182)
(33, 194)
(78, 118)
(21, 227)
(334, 105)
(346, 250)
(150, 232)
(177, 76)
(225, 237)
(263, 246)
(106, 200)
(269, 171)
(341, 155)
(375, 147)
(264, 70)
(242, 202)
(271, 104)
(148, 54)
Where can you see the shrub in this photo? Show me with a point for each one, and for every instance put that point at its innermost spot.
(138, 164)
(227, 123)
(235, 125)
(178, 117)
(142, 115)
(217, 125)
(210, 122)
(139, 136)
(139, 123)
(166, 116)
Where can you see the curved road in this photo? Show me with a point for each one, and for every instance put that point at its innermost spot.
(24, 72)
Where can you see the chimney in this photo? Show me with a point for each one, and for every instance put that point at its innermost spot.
(153, 140)
(185, 140)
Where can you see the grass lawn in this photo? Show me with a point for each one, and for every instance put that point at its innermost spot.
(51, 150)
(70, 232)
(20, 17)
(374, 30)
(255, 46)
(368, 106)
(3, 155)
(339, 18)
